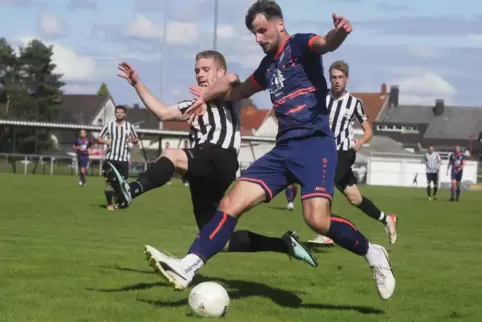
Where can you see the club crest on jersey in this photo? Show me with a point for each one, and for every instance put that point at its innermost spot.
(276, 83)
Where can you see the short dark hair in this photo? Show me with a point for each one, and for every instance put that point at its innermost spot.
(269, 8)
(214, 55)
(121, 107)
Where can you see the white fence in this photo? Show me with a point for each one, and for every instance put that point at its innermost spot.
(400, 170)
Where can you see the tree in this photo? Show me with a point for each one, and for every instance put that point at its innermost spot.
(103, 90)
(30, 89)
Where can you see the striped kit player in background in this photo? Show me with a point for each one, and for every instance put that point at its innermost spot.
(344, 109)
(117, 135)
(432, 167)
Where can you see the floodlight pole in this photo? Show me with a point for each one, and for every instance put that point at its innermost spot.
(163, 52)
(215, 35)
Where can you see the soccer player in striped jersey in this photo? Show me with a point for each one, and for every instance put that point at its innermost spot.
(117, 135)
(432, 167)
(210, 165)
(344, 109)
(82, 146)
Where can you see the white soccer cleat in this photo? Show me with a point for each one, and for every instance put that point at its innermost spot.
(290, 206)
(382, 271)
(321, 240)
(391, 228)
(169, 267)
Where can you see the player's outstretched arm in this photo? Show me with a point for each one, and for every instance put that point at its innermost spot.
(162, 111)
(334, 38)
(229, 88)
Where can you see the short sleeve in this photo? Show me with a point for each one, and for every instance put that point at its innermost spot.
(360, 112)
(184, 105)
(305, 42)
(104, 131)
(76, 142)
(133, 132)
(258, 78)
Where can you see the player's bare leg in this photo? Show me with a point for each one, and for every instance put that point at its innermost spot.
(217, 236)
(317, 214)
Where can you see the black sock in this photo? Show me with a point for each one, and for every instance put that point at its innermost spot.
(368, 207)
(155, 176)
(429, 191)
(109, 195)
(435, 189)
(243, 241)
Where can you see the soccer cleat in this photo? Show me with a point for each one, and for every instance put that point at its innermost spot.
(382, 272)
(321, 240)
(296, 250)
(391, 228)
(168, 267)
(121, 187)
(290, 206)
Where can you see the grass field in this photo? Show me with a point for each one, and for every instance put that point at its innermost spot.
(65, 258)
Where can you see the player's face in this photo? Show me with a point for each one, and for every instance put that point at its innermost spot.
(207, 71)
(83, 134)
(268, 33)
(457, 149)
(430, 149)
(338, 80)
(119, 114)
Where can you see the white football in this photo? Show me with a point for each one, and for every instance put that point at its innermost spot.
(209, 299)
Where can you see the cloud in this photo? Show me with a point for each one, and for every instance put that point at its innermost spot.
(425, 88)
(50, 25)
(143, 28)
(442, 26)
(72, 65)
(83, 4)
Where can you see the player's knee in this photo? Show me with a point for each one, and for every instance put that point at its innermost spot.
(177, 156)
(242, 197)
(316, 213)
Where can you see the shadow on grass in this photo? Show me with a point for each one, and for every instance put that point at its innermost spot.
(237, 290)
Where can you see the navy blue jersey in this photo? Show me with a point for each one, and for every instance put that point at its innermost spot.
(456, 161)
(83, 145)
(298, 88)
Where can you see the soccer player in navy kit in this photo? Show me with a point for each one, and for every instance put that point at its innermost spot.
(82, 146)
(305, 151)
(456, 162)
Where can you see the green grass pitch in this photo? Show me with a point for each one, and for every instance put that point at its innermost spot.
(65, 258)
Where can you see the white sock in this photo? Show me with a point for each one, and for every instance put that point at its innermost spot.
(382, 216)
(373, 254)
(191, 264)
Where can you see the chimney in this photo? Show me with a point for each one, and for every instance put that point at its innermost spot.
(383, 90)
(394, 94)
(439, 107)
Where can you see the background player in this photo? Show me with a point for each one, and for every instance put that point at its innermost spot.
(290, 193)
(210, 166)
(305, 151)
(82, 145)
(456, 162)
(117, 135)
(432, 167)
(344, 109)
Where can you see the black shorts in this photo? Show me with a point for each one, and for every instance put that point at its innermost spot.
(121, 166)
(432, 177)
(211, 170)
(344, 175)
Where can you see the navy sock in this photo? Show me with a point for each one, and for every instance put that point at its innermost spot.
(452, 192)
(457, 193)
(214, 236)
(290, 193)
(344, 233)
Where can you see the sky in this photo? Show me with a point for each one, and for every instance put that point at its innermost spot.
(430, 49)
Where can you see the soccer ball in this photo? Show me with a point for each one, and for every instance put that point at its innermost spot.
(209, 300)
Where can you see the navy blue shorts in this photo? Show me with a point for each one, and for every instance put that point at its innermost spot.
(83, 161)
(310, 162)
(457, 176)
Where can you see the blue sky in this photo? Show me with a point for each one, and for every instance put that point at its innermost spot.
(431, 48)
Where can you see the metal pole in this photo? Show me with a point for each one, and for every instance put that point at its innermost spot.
(163, 53)
(215, 35)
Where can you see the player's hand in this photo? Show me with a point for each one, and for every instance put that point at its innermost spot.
(342, 24)
(108, 142)
(357, 145)
(196, 90)
(198, 108)
(128, 72)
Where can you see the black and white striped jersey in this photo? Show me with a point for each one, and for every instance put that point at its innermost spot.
(118, 133)
(432, 162)
(343, 112)
(220, 125)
